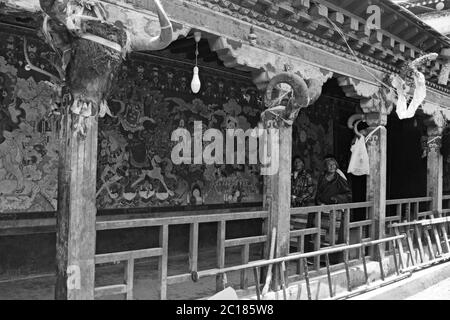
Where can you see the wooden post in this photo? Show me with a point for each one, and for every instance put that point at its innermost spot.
(376, 181)
(279, 205)
(434, 167)
(89, 81)
(76, 211)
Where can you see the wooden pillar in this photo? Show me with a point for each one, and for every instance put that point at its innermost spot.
(376, 181)
(91, 72)
(277, 199)
(434, 167)
(76, 211)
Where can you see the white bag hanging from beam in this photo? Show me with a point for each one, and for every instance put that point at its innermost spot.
(359, 161)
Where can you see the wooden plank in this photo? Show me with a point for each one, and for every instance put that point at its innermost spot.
(359, 224)
(220, 254)
(327, 208)
(245, 241)
(407, 200)
(129, 278)
(150, 222)
(193, 246)
(110, 290)
(126, 255)
(162, 263)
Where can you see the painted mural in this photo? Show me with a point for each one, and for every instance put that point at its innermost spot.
(153, 98)
(28, 145)
(313, 135)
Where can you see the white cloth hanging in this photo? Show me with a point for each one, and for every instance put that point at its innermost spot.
(404, 112)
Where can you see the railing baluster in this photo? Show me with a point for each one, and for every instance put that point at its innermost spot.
(346, 220)
(257, 284)
(129, 278)
(317, 241)
(366, 275)
(330, 284)
(220, 285)
(361, 252)
(308, 289)
(394, 253)
(332, 227)
(347, 270)
(398, 211)
(162, 266)
(193, 246)
(245, 256)
(282, 269)
(380, 261)
(416, 211)
(299, 250)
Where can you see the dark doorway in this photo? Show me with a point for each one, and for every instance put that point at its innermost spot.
(406, 163)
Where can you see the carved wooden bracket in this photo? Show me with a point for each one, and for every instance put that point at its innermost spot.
(437, 120)
(445, 71)
(264, 64)
(376, 102)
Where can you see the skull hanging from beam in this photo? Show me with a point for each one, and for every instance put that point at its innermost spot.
(89, 47)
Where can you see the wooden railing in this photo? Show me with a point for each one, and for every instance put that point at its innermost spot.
(406, 210)
(161, 252)
(357, 219)
(410, 209)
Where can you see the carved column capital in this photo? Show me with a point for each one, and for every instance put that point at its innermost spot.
(375, 119)
(436, 120)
